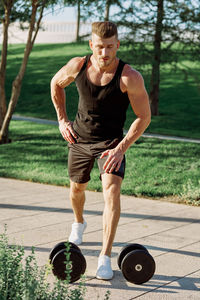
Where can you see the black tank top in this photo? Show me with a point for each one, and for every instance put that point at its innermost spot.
(102, 109)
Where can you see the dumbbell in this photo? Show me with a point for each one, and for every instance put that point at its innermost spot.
(136, 263)
(57, 259)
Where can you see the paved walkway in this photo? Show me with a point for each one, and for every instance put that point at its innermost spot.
(40, 215)
(148, 135)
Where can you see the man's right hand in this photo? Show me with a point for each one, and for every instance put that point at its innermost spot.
(66, 129)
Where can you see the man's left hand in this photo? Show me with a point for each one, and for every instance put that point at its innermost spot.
(114, 160)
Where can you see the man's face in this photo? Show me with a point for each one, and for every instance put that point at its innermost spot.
(104, 49)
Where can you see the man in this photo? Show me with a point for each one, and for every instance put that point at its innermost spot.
(106, 86)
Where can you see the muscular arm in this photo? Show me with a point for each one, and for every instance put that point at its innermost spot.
(132, 83)
(139, 101)
(62, 79)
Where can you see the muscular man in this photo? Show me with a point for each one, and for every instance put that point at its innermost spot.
(106, 85)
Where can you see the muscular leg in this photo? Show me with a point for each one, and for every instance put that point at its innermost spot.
(77, 198)
(111, 191)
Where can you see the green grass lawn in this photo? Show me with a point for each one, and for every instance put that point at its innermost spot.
(154, 168)
(179, 97)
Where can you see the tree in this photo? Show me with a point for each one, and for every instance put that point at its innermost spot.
(176, 21)
(86, 9)
(78, 20)
(107, 10)
(161, 31)
(77, 4)
(99, 9)
(155, 74)
(12, 10)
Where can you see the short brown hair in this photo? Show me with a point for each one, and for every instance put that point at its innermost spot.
(104, 29)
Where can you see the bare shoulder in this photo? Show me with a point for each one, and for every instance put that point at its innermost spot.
(75, 64)
(68, 72)
(131, 79)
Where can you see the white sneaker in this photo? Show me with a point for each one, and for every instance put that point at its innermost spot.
(104, 270)
(77, 232)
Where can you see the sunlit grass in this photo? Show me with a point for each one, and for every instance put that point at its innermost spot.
(154, 168)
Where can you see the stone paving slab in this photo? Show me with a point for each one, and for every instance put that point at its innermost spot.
(40, 215)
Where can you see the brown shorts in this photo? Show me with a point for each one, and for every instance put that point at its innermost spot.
(82, 156)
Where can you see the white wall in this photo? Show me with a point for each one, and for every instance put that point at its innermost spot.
(50, 32)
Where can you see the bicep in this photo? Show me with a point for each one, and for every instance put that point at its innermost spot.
(139, 99)
(62, 78)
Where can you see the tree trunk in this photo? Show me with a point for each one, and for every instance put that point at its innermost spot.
(107, 10)
(155, 75)
(17, 83)
(3, 62)
(78, 21)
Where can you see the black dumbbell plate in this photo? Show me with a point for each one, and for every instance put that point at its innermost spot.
(128, 249)
(138, 266)
(61, 246)
(78, 264)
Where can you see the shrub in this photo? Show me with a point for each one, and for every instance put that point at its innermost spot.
(191, 193)
(22, 279)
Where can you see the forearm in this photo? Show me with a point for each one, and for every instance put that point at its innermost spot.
(65, 126)
(135, 131)
(59, 101)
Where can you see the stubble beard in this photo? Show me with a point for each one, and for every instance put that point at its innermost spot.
(105, 63)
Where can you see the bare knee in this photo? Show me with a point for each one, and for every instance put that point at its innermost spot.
(111, 190)
(111, 193)
(111, 185)
(77, 188)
